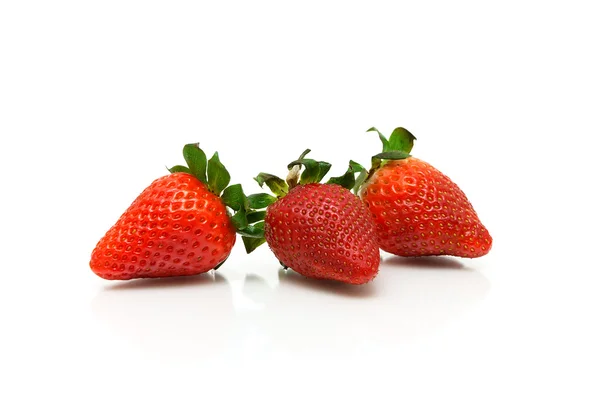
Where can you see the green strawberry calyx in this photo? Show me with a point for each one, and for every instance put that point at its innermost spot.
(301, 171)
(397, 147)
(215, 176)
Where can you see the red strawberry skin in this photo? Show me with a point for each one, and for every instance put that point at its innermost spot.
(323, 231)
(175, 227)
(419, 211)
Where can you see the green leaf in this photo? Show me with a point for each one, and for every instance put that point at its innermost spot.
(275, 183)
(218, 176)
(255, 216)
(362, 177)
(384, 141)
(260, 200)
(347, 180)
(324, 168)
(377, 159)
(219, 265)
(401, 140)
(239, 219)
(313, 172)
(234, 197)
(356, 167)
(304, 153)
(251, 243)
(392, 155)
(179, 168)
(311, 169)
(196, 160)
(255, 231)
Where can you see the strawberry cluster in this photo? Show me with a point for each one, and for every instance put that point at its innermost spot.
(186, 223)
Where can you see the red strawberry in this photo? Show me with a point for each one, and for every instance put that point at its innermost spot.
(418, 210)
(177, 226)
(321, 231)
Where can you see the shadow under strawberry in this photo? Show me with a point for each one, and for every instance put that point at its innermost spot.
(290, 277)
(168, 282)
(334, 321)
(424, 262)
(185, 320)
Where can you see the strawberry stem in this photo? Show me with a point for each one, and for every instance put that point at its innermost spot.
(293, 176)
(314, 171)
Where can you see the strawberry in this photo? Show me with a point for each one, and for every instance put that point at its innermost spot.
(179, 225)
(320, 230)
(418, 210)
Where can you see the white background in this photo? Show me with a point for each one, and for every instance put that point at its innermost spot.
(97, 97)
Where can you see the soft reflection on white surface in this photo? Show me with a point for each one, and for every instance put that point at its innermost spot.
(274, 313)
(184, 318)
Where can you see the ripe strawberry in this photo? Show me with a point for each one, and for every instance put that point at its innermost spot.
(321, 231)
(177, 226)
(418, 210)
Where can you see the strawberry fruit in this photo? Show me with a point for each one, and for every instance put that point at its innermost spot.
(418, 211)
(179, 225)
(320, 230)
